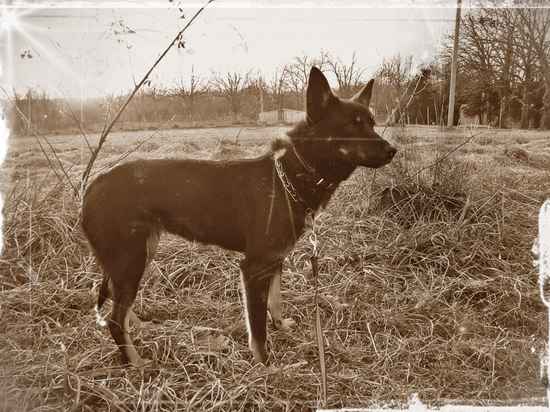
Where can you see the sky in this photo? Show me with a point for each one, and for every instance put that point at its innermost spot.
(70, 49)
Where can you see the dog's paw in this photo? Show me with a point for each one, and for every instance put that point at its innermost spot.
(285, 325)
(259, 353)
(142, 363)
(136, 362)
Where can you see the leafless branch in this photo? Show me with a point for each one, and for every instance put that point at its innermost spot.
(105, 133)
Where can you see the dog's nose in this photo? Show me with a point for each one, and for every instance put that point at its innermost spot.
(392, 151)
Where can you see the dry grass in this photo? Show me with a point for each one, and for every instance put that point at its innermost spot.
(426, 288)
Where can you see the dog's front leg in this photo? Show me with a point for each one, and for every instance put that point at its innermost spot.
(274, 303)
(256, 277)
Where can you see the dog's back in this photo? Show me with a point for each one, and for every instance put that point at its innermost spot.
(206, 201)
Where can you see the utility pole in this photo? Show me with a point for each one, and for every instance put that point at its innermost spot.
(450, 115)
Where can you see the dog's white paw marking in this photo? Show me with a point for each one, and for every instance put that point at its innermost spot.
(288, 324)
(99, 319)
(285, 324)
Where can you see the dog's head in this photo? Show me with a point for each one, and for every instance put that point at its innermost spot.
(345, 126)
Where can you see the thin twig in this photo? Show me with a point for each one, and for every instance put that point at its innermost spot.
(413, 94)
(105, 133)
(133, 150)
(447, 154)
(80, 128)
(318, 325)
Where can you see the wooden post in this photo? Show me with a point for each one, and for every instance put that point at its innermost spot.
(29, 111)
(261, 96)
(450, 116)
(428, 115)
(501, 119)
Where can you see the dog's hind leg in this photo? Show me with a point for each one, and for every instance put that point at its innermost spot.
(124, 295)
(119, 325)
(256, 276)
(274, 302)
(105, 292)
(125, 264)
(152, 244)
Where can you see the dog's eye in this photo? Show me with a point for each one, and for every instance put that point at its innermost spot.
(358, 119)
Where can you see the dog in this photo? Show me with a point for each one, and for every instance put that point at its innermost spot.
(254, 206)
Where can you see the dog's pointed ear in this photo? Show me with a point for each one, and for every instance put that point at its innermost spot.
(319, 95)
(364, 95)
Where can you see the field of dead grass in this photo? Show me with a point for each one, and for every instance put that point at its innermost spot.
(426, 285)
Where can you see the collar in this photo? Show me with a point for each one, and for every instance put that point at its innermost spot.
(319, 180)
(287, 184)
(290, 189)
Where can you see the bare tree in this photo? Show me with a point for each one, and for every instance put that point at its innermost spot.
(190, 91)
(348, 75)
(231, 86)
(519, 65)
(503, 53)
(488, 58)
(477, 65)
(298, 73)
(257, 87)
(536, 27)
(278, 87)
(396, 73)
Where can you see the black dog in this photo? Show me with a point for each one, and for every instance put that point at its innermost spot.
(255, 206)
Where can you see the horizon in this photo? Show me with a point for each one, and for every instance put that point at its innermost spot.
(81, 53)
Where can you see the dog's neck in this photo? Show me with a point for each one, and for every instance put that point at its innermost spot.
(308, 166)
(313, 148)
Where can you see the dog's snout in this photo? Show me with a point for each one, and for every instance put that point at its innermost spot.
(391, 151)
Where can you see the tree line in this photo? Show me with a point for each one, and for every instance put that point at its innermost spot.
(503, 79)
(504, 66)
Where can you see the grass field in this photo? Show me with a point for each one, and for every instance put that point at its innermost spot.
(428, 287)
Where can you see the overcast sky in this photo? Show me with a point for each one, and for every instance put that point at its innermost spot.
(98, 51)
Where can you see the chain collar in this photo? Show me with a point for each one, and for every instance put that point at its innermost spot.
(290, 188)
(287, 184)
